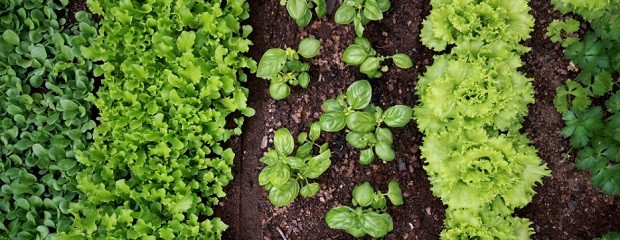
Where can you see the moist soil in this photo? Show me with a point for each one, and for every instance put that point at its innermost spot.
(566, 206)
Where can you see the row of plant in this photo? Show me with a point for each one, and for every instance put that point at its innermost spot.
(45, 117)
(590, 104)
(472, 103)
(171, 75)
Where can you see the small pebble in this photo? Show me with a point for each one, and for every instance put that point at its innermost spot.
(263, 143)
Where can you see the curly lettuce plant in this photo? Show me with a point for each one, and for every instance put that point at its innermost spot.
(301, 10)
(370, 217)
(45, 118)
(360, 12)
(283, 67)
(171, 96)
(361, 53)
(364, 121)
(285, 175)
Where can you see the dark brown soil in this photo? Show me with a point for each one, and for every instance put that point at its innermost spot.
(566, 206)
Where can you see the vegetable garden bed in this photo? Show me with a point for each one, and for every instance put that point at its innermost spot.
(566, 205)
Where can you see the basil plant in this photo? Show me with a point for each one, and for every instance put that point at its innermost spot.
(370, 216)
(287, 175)
(364, 121)
(361, 53)
(360, 12)
(300, 10)
(283, 67)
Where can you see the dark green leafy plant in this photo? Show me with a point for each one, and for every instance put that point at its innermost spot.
(360, 12)
(44, 115)
(610, 236)
(364, 121)
(285, 175)
(563, 31)
(370, 216)
(283, 67)
(361, 53)
(301, 10)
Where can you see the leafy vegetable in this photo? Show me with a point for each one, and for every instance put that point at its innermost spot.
(364, 120)
(44, 115)
(171, 96)
(282, 67)
(361, 53)
(370, 216)
(285, 175)
(360, 12)
(301, 10)
(563, 31)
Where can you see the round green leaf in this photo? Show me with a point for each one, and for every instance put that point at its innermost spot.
(304, 150)
(395, 194)
(296, 8)
(309, 47)
(359, 94)
(354, 55)
(332, 105)
(345, 14)
(283, 141)
(23, 203)
(359, 27)
(372, 10)
(332, 121)
(309, 190)
(340, 218)
(321, 8)
(38, 53)
(363, 42)
(285, 194)
(315, 131)
(317, 165)
(263, 176)
(305, 19)
(376, 225)
(384, 135)
(367, 156)
(397, 116)
(357, 140)
(384, 5)
(279, 175)
(378, 202)
(303, 79)
(279, 91)
(362, 122)
(370, 65)
(363, 194)
(11, 37)
(402, 60)
(56, 153)
(384, 151)
(271, 63)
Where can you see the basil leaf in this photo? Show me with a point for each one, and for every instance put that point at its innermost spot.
(309, 190)
(378, 202)
(10, 37)
(384, 151)
(332, 105)
(370, 65)
(345, 14)
(384, 5)
(315, 131)
(321, 8)
(363, 42)
(296, 163)
(357, 140)
(309, 47)
(362, 122)
(367, 156)
(296, 8)
(354, 55)
(384, 135)
(358, 25)
(304, 150)
(285, 194)
(340, 218)
(271, 63)
(263, 176)
(303, 79)
(376, 225)
(401, 60)
(363, 194)
(317, 165)
(397, 116)
(332, 121)
(359, 94)
(372, 10)
(279, 91)
(395, 194)
(279, 175)
(283, 141)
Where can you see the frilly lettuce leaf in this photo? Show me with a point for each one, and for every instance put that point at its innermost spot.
(488, 224)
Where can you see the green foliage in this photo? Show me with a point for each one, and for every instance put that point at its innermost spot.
(286, 175)
(590, 105)
(472, 103)
(172, 76)
(301, 10)
(610, 236)
(361, 53)
(563, 31)
(370, 216)
(283, 67)
(360, 12)
(364, 121)
(44, 115)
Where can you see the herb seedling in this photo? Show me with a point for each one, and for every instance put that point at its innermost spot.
(285, 175)
(563, 31)
(370, 216)
(360, 12)
(361, 53)
(364, 121)
(283, 67)
(301, 10)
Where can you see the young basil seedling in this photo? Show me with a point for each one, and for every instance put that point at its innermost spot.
(360, 12)
(285, 175)
(300, 10)
(364, 122)
(361, 53)
(283, 67)
(370, 216)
